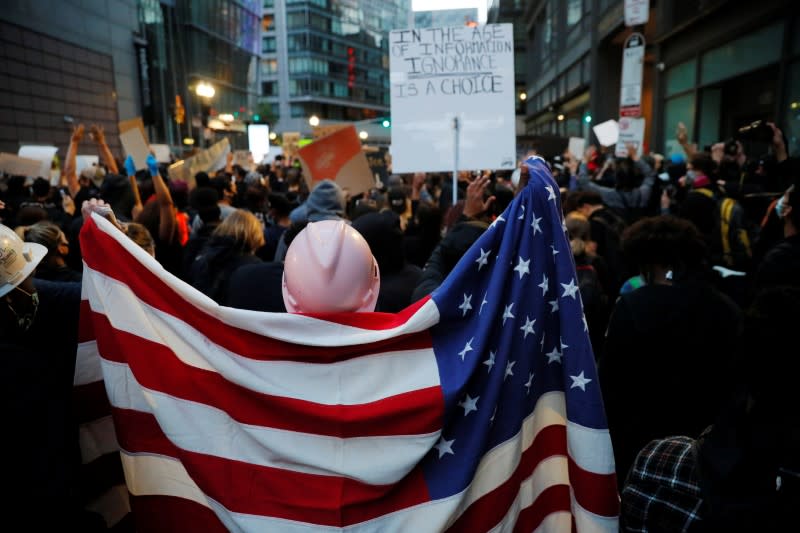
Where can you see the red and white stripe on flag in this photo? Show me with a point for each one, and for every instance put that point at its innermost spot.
(320, 426)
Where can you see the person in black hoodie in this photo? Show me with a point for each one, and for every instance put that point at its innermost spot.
(232, 245)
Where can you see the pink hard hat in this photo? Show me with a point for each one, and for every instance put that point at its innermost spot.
(329, 268)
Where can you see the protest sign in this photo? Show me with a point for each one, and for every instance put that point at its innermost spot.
(134, 141)
(290, 140)
(42, 153)
(258, 141)
(85, 161)
(243, 158)
(607, 132)
(576, 146)
(443, 77)
(209, 160)
(338, 157)
(631, 131)
(162, 152)
(13, 165)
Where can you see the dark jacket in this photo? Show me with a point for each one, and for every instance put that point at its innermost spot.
(665, 364)
(212, 268)
(781, 265)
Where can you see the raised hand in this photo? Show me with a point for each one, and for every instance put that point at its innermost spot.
(474, 204)
(130, 166)
(96, 132)
(77, 133)
(152, 165)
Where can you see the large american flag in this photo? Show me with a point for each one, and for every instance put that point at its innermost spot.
(476, 409)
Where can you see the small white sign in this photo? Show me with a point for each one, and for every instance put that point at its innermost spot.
(607, 132)
(441, 74)
(41, 153)
(258, 141)
(576, 147)
(631, 131)
(162, 152)
(85, 161)
(637, 12)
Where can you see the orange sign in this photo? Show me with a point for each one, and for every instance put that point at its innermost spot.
(337, 157)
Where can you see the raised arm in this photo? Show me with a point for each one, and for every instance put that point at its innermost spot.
(130, 170)
(70, 165)
(99, 136)
(167, 224)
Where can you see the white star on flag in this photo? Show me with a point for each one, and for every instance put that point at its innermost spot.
(484, 302)
(554, 356)
(483, 259)
(569, 289)
(490, 361)
(553, 305)
(555, 252)
(563, 346)
(543, 285)
(528, 327)
(579, 381)
(445, 447)
(467, 348)
(522, 267)
(509, 369)
(469, 404)
(507, 313)
(465, 305)
(521, 215)
(498, 219)
(535, 224)
(529, 383)
(551, 195)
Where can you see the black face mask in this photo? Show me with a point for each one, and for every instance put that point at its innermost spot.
(25, 320)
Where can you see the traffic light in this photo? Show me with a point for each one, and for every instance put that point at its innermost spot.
(256, 118)
(386, 123)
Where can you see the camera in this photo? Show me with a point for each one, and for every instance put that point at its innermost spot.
(756, 131)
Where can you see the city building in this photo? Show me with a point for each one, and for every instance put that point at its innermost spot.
(443, 18)
(714, 65)
(64, 62)
(327, 59)
(510, 11)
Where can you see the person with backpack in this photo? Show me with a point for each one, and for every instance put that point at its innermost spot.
(634, 179)
(741, 474)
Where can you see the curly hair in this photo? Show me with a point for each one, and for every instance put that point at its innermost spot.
(667, 241)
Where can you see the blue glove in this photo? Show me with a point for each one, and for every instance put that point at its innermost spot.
(130, 166)
(152, 165)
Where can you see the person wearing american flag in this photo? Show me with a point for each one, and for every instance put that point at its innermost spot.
(477, 408)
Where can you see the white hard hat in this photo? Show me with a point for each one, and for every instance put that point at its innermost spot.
(17, 259)
(329, 268)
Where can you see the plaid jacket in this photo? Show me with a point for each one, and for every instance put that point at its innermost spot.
(662, 493)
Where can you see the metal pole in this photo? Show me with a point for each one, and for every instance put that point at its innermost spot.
(455, 159)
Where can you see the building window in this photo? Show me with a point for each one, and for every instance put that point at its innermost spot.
(296, 19)
(269, 88)
(298, 110)
(574, 12)
(268, 45)
(747, 53)
(677, 109)
(266, 22)
(681, 77)
(270, 66)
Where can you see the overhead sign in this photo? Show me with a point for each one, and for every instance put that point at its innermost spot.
(441, 74)
(637, 12)
(630, 94)
(631, 131)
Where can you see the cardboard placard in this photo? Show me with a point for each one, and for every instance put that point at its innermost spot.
(576, 147)
(13, 165)
(125, 125)
(337, 157)
(452, 88)
(135, 145)
(162, 152)
(42, 153)
(84, 161)
(290, 140)
(209, 160)
(607, 132)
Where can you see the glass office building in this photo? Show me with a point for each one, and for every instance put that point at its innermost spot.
(328, 58)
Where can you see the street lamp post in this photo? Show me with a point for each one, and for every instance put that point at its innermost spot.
(205, 91)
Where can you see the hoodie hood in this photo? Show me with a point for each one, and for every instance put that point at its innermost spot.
(326, 202)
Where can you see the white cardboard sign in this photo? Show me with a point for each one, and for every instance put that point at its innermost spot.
(84, 161)
(607, 132)
(135, 146)
(576, 147)
(441, 74)
(43, 154)
(162, 152)
(13, 165)
(631, 130)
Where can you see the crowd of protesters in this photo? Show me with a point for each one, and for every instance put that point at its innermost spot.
(688, 266)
